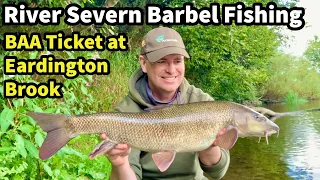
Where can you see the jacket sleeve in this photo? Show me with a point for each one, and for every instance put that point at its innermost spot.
(134, 156)
(218, 170)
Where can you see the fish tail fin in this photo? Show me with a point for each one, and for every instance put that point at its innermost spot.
(57, 134)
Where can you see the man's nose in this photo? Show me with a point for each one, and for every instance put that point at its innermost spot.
(170, 68)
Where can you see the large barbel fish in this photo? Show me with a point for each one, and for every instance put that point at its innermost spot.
(162, 130)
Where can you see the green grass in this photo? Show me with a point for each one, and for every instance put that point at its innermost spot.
(293, 99)
(109, 90)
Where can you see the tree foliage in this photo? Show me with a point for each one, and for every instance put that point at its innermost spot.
(228, 61)
(289, 75)
(313, 51)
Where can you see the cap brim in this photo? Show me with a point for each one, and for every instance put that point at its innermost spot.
(160, 53)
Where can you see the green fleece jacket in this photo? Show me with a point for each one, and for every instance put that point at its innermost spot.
(185, 165)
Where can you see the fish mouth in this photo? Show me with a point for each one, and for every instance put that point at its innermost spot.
(269, 132)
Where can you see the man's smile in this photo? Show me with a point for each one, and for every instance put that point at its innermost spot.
(169, 78)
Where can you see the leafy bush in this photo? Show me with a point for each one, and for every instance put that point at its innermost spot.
(293, 98)
(288, 74)
(312, 53)
(21, 136)
(228, 62)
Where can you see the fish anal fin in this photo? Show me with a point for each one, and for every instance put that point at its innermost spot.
(53, 142)
(102, 148)
(227, 139)
(163, 159)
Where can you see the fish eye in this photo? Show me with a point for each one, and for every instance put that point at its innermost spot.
(257, 117)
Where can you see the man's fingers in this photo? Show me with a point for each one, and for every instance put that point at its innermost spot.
(214, 144)
(118, 152)
(121, 146)
(113, 158)
(103, 136)
(222, 131)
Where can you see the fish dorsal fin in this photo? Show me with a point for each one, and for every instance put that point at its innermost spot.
(158, 107)
(227, 139)
(102, 148)
(163, 159)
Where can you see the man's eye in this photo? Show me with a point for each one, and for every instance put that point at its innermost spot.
(160, 62)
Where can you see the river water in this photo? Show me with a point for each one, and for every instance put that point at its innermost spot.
(295, 154)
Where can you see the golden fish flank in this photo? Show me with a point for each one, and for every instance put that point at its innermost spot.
(163, 130)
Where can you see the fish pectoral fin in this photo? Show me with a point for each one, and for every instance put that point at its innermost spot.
(102, 148)
(227, 139)
(163, 159)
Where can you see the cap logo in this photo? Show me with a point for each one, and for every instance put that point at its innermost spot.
(160, 38)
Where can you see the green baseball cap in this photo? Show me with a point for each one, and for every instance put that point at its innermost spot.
(160, 42)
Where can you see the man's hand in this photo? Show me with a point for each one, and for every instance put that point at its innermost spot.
(118, 155)
(211, 155)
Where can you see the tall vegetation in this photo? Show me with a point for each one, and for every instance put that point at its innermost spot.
(289, 76)
(20, 136)
(312, 53)
(229, 62)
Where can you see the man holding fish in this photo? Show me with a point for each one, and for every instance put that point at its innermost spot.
(164, 128)
(160, 80)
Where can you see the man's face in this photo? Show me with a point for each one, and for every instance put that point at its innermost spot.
(166, 74)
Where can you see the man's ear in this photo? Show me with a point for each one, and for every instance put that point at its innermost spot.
(143, 63)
